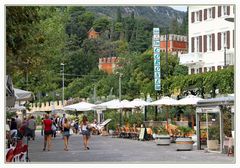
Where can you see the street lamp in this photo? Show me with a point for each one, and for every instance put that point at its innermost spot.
(120, 86)
(62, 64)
(120, 93)
(225, 56)
(166, 53)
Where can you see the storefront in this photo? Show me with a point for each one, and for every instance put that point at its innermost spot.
(215, 123)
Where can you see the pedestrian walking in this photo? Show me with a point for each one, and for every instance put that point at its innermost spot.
(85, 132)
(19, 122)
(32, 126)
(76, 127)
(66, 133)
(47, 127)
(13, 127)
(54, 128)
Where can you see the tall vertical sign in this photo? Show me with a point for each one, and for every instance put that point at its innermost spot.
(156, 56)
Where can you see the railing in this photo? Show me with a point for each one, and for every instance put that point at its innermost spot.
(230, 58)
(190, 58)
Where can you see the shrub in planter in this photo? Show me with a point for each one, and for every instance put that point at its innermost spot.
(184, 142)
(162, 138)
(213, 137)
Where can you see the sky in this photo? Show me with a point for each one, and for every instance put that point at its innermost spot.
(180, 8)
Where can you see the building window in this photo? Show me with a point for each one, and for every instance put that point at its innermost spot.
(219, 67)
(197, 44)
(224, 40)
(213, 68)
(192, 71)
(205, 69)
(198, 16)
(200, 70)
(209, 13)
(209, 45)
(225, 10)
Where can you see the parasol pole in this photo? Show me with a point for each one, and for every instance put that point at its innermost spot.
(192, 117)
(167, 117)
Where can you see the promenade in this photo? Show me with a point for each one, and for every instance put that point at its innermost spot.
(105, 149)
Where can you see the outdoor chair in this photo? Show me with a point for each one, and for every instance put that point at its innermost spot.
(131, 132)
(149, 134)
(123, 133)
(116, 133)
(230, 147)
(128, 134)
(23, 156)
(102, 126)
(10, 155)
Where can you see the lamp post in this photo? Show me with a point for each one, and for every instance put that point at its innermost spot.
(225, 57)
(62, 64)
(166, 53)
(230, 19)
(120, 94)
(120, 86)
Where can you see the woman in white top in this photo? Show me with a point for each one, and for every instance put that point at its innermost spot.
(85, 132)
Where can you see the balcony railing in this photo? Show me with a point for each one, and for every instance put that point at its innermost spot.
(191, 58)
(230, 58)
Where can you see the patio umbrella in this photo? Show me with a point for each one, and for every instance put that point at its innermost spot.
(16, 108)
(112, 104)
(116, 104)
(139, 103)
(190, 100)
(165, 101)
(126, 104)
(82, 106)
(22, 95)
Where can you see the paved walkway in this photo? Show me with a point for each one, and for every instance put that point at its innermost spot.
(114, 150)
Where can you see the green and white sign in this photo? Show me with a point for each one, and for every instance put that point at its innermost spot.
(156, 55)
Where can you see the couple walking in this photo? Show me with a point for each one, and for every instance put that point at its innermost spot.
(47, 127)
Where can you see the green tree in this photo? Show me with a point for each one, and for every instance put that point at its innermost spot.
(102, 24)
(174, 26)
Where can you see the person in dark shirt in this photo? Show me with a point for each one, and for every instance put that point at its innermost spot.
(66, 133)
(13, 126)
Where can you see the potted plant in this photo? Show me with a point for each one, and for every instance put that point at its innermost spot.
(184, 142)
(162, 138)
(155, 132)
(213, 137)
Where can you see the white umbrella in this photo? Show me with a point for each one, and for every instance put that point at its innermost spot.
(116, 104)
(189, 100)
(167, 101)
(112, 104)
(82, 106)
(16, 108)
(139, 103)
(22, 95)
(126, 104)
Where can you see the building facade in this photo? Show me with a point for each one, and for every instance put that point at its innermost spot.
(108, 64)
(92, 34)
(211, 39)
(175, 43)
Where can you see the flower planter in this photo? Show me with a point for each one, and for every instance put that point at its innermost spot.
(111, 132)
(213, 144)
(184, 144)
(162, 139)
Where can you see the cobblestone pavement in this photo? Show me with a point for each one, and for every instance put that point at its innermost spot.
(105, 149)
